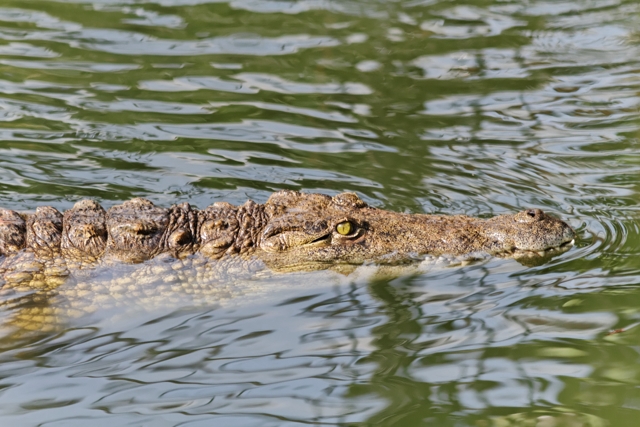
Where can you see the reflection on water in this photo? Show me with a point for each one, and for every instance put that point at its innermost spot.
(421, 106)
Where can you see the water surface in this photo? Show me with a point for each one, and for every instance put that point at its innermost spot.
(447, 107)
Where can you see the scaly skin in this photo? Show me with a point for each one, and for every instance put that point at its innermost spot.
(292, 231)
(137, 252)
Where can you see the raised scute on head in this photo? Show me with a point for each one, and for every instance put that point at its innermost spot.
(217, 229)
(284, 198)
(349, 200)
(84, 232)
(136, 229)
(44, 231)
(13, 232)
(293, 201)
(180, 238)
(224, 229)
(252, 220)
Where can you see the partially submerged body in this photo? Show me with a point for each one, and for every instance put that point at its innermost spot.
(138, 251)
(291, 231)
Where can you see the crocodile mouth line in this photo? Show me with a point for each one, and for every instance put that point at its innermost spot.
(320, 241)
(562, 247)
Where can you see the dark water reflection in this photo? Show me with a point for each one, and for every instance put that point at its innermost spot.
(431, 106)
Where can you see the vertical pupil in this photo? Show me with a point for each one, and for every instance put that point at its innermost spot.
(344, 228)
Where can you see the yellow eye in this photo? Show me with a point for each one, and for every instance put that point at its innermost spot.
(344, 228)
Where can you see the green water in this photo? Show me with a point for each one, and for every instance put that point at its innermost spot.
(449, 107)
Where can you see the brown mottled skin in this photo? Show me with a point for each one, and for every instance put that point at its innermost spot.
(84, 232)
(291, 231)
(53, 266)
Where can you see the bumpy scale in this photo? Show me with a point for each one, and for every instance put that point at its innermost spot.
(291, 231)
(138, 254)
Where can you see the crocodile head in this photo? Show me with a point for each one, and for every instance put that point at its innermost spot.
(528, 233)
(304, 230)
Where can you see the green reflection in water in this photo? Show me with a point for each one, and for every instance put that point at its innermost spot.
(424, 106)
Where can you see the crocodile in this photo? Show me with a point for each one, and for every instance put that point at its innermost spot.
(140, 251)
(291, 231)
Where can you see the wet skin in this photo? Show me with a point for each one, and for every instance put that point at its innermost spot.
(291, 231)
(139, 254)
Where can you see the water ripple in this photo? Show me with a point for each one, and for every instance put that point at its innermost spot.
(419, 106)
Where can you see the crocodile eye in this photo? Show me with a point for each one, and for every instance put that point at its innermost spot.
(345, 228)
